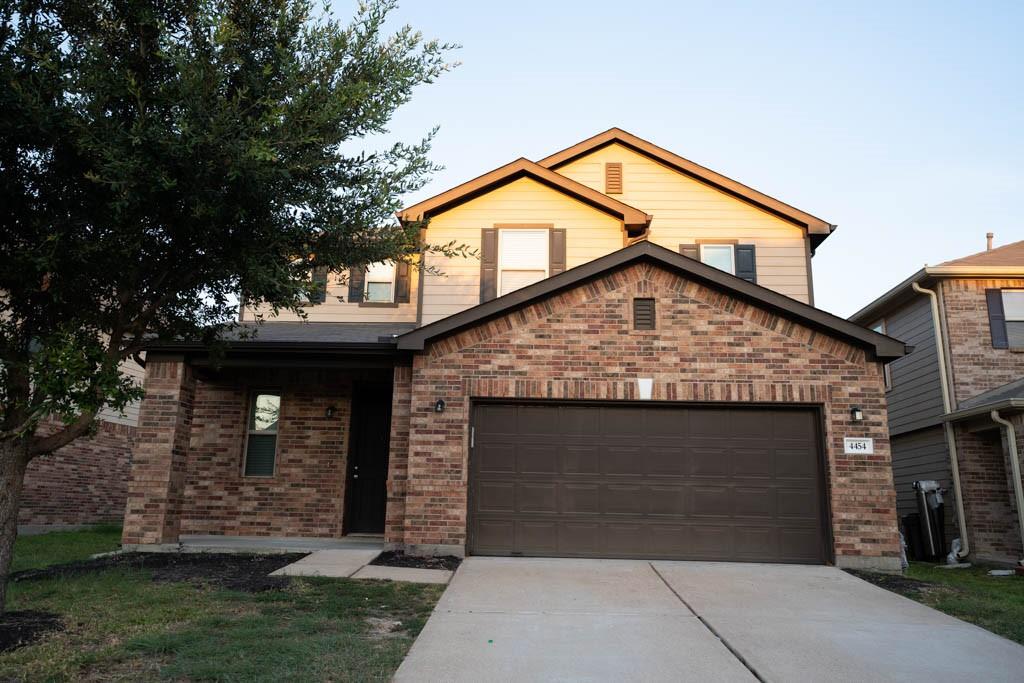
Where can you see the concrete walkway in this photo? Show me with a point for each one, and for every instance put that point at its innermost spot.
(542, 620)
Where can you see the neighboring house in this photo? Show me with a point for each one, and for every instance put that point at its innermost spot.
(632, 368)
(85, 482)
(979, 308)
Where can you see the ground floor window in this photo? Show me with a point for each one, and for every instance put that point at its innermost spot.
(261, 433)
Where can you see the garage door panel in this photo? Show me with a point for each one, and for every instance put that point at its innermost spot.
(755, 502)
(626, 539)
(579, 499)
(621, 460)
(536, 537)
(707, 461)
(536, 498)
(711, 501)
(581, 459)
(623, 500)
(537, 459)
(647, 481)
(579, 538)
(795, 462)
(496, 458)
(496, 496)
(667, 500)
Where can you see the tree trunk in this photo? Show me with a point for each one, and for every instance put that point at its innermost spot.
(13, 462)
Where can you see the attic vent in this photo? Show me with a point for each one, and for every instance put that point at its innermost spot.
(643, 314)
(613, 178)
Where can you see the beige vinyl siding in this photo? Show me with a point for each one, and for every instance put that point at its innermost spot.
(686, 210)
(590, 234)
(334, 311)
(130, 416)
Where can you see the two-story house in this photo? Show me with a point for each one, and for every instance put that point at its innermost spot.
(948, 400)
(632, 367)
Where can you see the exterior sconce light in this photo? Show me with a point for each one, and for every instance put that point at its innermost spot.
(439, 405)
(330, 411)
(856, 414)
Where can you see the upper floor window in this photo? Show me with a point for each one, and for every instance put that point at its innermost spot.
(380, 283)
(1006, 317)
(522, 258)
(721, 256)
(261, 434)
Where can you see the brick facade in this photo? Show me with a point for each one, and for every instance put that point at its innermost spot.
(188, 472)
(708, 346)
(977, 367)
(86, 482)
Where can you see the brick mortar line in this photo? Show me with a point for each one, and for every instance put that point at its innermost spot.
(708, 626)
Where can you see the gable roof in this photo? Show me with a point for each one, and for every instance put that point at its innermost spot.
(878, 345)
(1007, 255)
(817, 228)
(634, 219)
(1004, 261)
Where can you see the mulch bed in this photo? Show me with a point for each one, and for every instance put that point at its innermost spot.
(896, 583)
(234, 571)
(395, 558)
(18, 629)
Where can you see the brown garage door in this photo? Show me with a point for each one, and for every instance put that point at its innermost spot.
(614, 480)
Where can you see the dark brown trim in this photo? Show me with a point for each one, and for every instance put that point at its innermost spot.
(378, 304)
(634, 219)
(879, 345)
(812, 224)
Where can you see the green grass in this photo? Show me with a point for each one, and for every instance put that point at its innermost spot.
(56, 547)
(120, 625)
(994, 603)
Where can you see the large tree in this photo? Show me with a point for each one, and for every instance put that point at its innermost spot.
(160, 159)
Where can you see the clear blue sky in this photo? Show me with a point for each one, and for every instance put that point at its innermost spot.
(902, 123)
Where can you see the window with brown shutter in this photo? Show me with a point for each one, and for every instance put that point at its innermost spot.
(643, 314)
(613, 178)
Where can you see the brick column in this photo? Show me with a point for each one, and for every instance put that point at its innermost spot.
(157, 478)
(398, 457)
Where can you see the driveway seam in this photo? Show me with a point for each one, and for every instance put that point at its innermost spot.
(708, 626)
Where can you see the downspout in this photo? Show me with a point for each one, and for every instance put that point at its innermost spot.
(947, 405)
(1018, 490)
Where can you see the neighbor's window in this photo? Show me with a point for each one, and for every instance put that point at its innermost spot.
(1013, 309)
(261, 434)
(522, 258)
(380, 283)
(721, 256)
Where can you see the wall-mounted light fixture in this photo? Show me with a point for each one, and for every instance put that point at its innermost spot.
(439, 405)
(856, 414)
(330, 411)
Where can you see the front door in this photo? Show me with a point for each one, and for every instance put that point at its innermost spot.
(366, 487)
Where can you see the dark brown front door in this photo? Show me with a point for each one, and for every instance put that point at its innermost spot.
(366, 489)
(617, 480)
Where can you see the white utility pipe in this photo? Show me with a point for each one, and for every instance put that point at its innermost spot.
(1018, 490)
(947, 404)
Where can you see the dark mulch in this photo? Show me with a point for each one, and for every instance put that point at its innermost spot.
(234, 571)
(18, 629)
(396, 558)
(895, 582)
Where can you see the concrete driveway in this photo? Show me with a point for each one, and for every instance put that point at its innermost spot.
(562, 619)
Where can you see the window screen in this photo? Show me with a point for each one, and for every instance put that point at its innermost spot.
(719, 256)
(522, 258)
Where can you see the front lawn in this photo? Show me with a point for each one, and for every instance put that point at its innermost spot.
(994, 603)
(180, 622)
